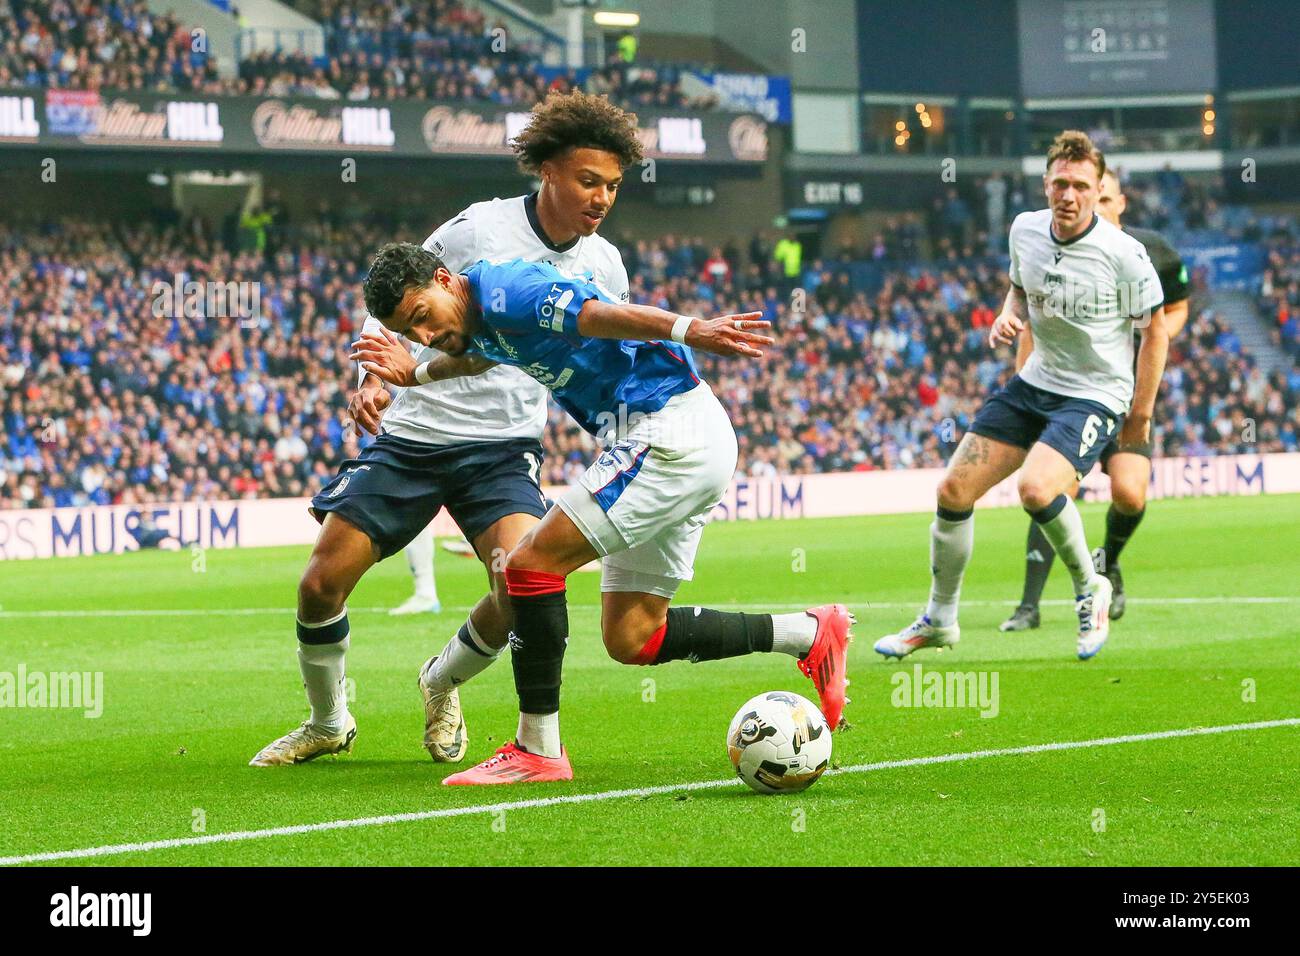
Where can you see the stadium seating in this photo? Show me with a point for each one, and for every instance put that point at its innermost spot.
(1279, 297)
(105, 397)
(114, 45)
(105, 400)
(440, 51)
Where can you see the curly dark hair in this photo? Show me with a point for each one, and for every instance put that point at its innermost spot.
(576, 120)
(398, 266)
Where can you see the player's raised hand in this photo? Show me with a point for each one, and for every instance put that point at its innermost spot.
(1006, 328)
(730, 335)
(385, 354)
(367, 404)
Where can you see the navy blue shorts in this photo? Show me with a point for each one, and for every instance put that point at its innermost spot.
(1021, 414)
(396, 487)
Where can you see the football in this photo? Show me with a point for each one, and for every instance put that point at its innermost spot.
(779, 742)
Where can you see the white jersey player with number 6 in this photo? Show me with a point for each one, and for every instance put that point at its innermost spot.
(1082, 286)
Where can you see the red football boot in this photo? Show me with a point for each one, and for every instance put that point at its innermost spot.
(512, 765)
(826, 662)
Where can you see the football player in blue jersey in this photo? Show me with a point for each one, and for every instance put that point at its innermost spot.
(626, 373)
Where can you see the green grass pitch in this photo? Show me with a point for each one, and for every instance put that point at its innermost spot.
(189, 697)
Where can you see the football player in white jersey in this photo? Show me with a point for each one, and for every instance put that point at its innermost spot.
(472, 444)
(1083, 285)
(1127, 466)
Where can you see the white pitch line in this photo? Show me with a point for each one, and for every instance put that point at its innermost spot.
(466, 608)
(243, 835)
(1068, 745)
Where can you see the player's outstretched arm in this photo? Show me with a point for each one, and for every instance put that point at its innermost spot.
(386, 356)
(725, 335)
(1012, 319)
(444, 366)
(1150, 368)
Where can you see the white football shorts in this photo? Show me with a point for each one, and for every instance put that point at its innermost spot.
(644, 502)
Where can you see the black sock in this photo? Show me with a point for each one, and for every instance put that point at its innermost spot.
(1119, 528)
(537, 649)
(330, 633)
(1039, 556)
(701, 634)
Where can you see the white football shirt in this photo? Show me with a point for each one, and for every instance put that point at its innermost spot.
(1084, 294)
(503, 402)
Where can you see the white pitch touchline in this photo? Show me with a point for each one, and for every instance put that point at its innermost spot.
(466, 608)
(243, 835)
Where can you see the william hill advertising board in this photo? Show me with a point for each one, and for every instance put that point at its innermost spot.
(410, 128)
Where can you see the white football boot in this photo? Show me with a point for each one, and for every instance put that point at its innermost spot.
(445, 736)
(1093, 609)
(920, 633)
(305, 743)
(417, 604)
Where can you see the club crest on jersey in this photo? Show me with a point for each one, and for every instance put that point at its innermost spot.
(1065, 298)
(1061, 295)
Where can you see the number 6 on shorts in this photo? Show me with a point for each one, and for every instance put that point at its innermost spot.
(1089, 434)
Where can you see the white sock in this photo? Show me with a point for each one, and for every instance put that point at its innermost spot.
(419, 557)
(539, 734)
(322, 667)
(1065, 532)
(951, 543)
(459, 660)
(793, 634)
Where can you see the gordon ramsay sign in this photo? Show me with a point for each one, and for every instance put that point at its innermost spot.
(405, 128)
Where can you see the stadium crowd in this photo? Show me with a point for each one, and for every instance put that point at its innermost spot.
(440, 50)
(1279, 297)
(117, 44)
(971, 218)
(1216, 400)
(472, 77)
(107, 395)
(444, 50)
